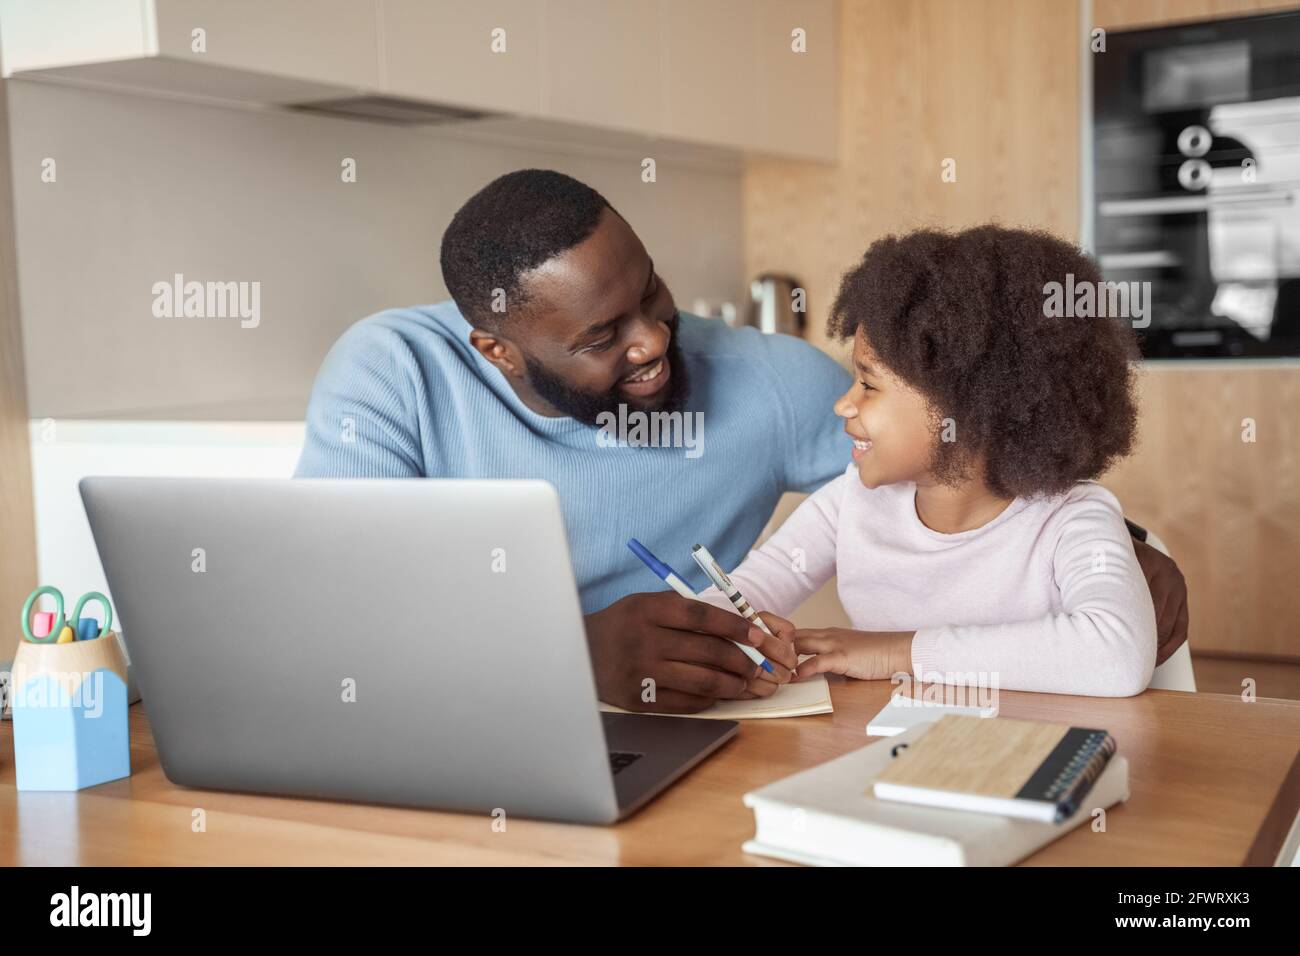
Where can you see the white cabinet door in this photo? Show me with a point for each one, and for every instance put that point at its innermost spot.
(326, 41)
(758, 75)
(710, 71)
(604, 64)
(480, 54)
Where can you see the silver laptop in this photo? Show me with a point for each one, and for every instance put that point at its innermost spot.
(405, 642)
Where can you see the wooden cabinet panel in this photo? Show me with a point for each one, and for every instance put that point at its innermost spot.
(1133, 14)
(1228, 508)
(992, 85)
(797, 91)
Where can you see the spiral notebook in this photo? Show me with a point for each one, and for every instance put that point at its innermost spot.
(1018, 768)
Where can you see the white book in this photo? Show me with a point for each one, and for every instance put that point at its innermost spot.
(902, 713)
(828, 816)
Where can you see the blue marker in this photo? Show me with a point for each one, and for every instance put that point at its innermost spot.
(674, 581)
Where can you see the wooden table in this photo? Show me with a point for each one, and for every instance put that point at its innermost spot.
(1215, 781)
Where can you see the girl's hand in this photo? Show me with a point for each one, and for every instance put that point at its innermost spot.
(866, 655)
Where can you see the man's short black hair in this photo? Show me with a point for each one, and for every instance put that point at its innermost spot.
(513, 224)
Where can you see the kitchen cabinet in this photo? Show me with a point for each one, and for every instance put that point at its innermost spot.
(750, 76)
(446, 52)
(733, 75)
(605, 64)
(327, 41)
(710, 70)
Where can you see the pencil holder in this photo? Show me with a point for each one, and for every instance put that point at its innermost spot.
(69, 713)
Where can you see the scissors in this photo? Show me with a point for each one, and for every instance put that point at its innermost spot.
(56, 635)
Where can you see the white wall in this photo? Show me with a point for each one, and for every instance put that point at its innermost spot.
(65, 451)
(148, 187)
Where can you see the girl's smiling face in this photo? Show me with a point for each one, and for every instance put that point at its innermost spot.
(890, 422)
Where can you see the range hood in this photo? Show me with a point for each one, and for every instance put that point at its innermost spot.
(390, 109)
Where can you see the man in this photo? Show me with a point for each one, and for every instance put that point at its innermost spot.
(561, 328)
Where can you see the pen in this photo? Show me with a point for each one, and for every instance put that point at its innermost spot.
(674, 581)
(709, 565)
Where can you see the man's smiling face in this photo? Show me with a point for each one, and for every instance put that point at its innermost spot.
(597, 329)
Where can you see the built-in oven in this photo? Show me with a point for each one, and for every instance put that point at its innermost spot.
(1196, 146)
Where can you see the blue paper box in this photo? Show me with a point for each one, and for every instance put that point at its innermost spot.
(70, 715)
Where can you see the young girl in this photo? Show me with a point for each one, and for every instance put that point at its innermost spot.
(966, 534)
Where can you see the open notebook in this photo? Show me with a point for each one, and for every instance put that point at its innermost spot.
(796, 699)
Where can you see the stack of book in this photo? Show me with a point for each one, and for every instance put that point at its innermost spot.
(962, 791)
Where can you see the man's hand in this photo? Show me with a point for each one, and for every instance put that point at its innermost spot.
(685, 647)
(1168, 594)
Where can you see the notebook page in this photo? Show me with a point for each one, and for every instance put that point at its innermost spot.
(796, 699)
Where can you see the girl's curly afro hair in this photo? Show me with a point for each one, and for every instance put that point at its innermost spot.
(961, 317)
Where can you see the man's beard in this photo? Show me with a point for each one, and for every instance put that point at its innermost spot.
(588, 406)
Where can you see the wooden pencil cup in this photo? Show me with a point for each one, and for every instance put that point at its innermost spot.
(69, 713)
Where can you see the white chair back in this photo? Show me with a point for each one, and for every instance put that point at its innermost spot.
(1175, 673)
